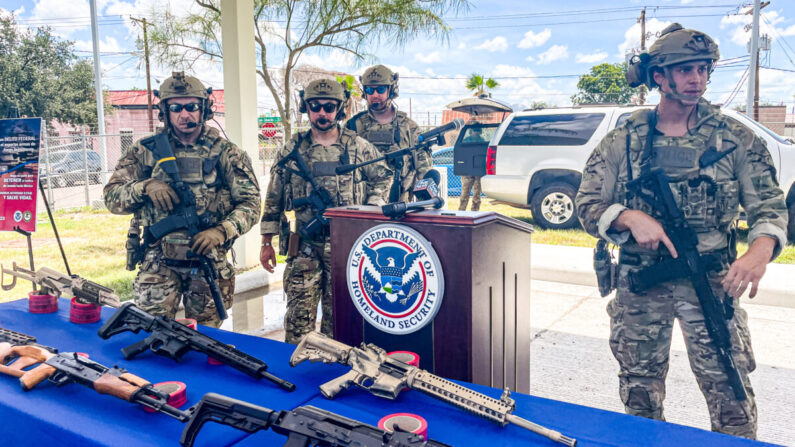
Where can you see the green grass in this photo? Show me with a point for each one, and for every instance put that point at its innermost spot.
(94, 244)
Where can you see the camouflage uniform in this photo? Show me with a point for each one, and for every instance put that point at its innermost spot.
(641, 323)
(470, 183)
(307, 278)
(401, 133)
(222, 178)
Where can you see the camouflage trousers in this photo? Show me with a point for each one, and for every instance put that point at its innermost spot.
(307, 282)
(468, 183)
(158, 289)
(640, 338)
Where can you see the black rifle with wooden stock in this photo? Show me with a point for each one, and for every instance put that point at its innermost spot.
(19, 351)
(689, 264)
(172, 339)
(304, 426)
(183, 217)
(386, 377)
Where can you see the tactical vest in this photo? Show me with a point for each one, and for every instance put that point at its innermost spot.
(704, 186)
(200, 171)
(341, 187)
(386, 137)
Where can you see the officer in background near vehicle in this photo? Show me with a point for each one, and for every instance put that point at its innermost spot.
(221, 177)
(307, 278)
(389, 129)
(736, 170)
(471, 182)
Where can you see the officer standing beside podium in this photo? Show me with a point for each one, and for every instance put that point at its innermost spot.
(311, 157)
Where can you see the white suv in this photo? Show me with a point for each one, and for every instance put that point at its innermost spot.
(536, 158)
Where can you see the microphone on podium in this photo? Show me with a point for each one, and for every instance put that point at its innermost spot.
(425, 191)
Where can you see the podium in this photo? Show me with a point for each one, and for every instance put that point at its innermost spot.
(480, 332)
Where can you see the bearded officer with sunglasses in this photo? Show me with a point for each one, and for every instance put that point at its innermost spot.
(389, 129)
(307, 278)
(222, 179)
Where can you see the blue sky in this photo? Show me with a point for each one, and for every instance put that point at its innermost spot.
(535, 49)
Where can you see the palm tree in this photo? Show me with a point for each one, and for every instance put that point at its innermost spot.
(480, 84)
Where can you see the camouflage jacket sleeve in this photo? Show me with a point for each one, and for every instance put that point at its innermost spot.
(244, 189)
(595, 204)
(377, 176)
(760, 195)
(124, 193)
(274, 198)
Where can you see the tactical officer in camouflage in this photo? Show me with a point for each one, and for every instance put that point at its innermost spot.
(221, 177)
(389, 129)
(307, 278)
(708, 190)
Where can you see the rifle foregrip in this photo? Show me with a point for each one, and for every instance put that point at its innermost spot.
(35, 376)
(114, 386)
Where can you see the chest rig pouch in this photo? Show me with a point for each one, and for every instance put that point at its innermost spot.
(707, 199)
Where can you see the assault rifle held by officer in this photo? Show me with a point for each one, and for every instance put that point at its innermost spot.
(386, 377)
(170, 338)
(303, 426)
(688, 264)
(395, 158)
(67, 367)
(183, 216)
(58, 284)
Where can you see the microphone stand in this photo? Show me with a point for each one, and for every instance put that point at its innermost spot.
(395, 160)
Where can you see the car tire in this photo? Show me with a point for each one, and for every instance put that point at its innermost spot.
(93, 179)
(58, 182)
(553, 207)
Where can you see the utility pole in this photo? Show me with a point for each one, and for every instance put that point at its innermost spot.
(148, 79)
(752, 96)
(642, 20)
(98, 91)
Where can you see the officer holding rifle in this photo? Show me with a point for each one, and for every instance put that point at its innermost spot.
(303, 179)
(666, 187)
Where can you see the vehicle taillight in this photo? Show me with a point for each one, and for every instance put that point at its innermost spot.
(491, 161)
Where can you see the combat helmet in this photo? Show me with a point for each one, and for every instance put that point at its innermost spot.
(180, 85)
(381, 75)
(676, 45)
(325, 89)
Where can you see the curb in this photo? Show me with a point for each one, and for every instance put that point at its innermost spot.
(574, 265)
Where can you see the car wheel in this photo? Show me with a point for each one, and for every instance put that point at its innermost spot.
(93, 179)
(553, 207)
(57, 182)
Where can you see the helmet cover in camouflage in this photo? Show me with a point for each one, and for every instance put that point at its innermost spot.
(324, 89)
(378, 75)
(179, 85)
(676, 45)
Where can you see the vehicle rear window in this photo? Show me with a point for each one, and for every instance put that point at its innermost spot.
(443, 158)
(551, 130)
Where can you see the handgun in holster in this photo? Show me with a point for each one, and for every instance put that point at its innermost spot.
(133, 244)
(605, 268)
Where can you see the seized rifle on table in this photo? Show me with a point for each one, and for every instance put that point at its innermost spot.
(67, 367)
(58, 284)
(15, 338)
(319, 199)
(183, 217)
(172, 339)
(386, 377)
(689, 264)
(303, 426)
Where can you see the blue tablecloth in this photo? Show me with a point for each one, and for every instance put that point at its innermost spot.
(75, 415)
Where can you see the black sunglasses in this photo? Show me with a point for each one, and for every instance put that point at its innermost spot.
(191, 107)
(380, 89)
(327, 107)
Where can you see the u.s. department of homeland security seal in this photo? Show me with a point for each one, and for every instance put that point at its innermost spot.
(395, 279)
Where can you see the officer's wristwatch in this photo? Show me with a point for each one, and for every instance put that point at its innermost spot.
(266, 244)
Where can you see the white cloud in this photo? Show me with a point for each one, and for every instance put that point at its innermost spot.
(532, 39)
(592, 58)
(499, 43)
(554, 53)
(335, 59)
(632, 36)
(768, 24)
(530, 58)
(108, 45)
(462, 46)
(428, 58)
